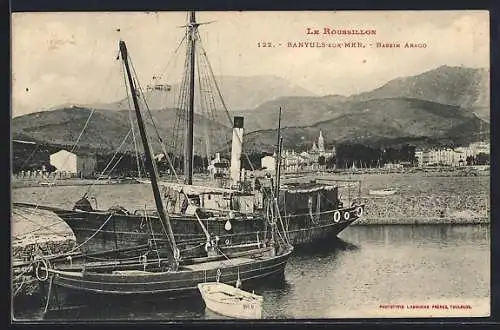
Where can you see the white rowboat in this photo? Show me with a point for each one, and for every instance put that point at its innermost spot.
(229, 301)
(383, 192)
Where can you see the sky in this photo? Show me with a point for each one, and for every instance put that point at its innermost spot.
(61, 58)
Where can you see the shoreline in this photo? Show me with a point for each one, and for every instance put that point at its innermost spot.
(410, 221)
(19, 184)
(427, 172)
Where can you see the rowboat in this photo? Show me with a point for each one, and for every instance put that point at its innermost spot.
(383, 192)
(230, 301)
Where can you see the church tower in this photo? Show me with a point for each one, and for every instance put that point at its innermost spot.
(321, 142)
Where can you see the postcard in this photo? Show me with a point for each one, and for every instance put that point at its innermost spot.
(250, 165)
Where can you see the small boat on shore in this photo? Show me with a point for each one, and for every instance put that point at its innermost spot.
(230, 301)
(383, 192)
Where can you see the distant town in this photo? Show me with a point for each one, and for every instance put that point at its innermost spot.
(55, 161)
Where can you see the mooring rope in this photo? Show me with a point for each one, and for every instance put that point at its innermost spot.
(91, 236)
(53, 256)
(48, 295)
(20, 286)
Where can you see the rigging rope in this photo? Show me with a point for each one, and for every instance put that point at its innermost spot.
(148, 219)
(170, 61)
(101, 175)
(153, 122)
(40, 225)
(168, 233)
(52, 256)
(130, 113)
(73, 147)
(203, 107)
(67, 156)
(230, 120)
(91, 236)
(181, 103)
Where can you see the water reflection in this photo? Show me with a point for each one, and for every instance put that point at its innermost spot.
(440, 235)
(109, 308)
(324, 248)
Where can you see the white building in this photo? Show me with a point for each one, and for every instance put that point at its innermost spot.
(393, 166)
(419, 155)
(293, 161)
(306, 160)
(446, 156)
(268, 163)
(318, 149)
(219, 167)
(480, 147)
(75, 164)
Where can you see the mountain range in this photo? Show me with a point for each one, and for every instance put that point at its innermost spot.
(239, 93)
(447, 105)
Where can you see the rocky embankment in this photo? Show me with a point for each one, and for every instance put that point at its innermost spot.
(35, 233)
(426, 209)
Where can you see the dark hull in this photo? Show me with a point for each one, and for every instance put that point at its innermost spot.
(174, 284)
(305, 229)
(133, 232)
(100, 231)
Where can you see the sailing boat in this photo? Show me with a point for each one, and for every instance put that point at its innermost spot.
(200, 215)
(313, 211)
(228, 215)
(173, 275)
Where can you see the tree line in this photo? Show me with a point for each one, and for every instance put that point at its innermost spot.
(35, 157)
(362, 156)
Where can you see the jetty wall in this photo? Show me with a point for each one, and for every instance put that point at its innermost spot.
(35, 233)
(425, 209)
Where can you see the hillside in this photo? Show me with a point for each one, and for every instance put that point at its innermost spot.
(464, 87)
(105, 130)
(445, 105)
(296, 111)
(379, 122)
(240, 93)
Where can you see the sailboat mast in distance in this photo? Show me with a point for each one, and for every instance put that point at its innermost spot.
(149, 159)
(278, 155)
(236, 150)
(188, 157)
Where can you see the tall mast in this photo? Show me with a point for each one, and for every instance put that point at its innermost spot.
(150, 166)
(188, 157)
(278, 175)
(278, 154)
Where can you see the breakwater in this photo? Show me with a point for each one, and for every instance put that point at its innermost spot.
(35, 233)
(426, 209)
(26, 183)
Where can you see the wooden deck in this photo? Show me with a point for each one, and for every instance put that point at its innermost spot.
(218, 264)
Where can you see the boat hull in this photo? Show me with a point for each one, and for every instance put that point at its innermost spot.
(132, 234)
(382, 192)
(182, 283)
(314, 233)
(238, 307)
(123, 232)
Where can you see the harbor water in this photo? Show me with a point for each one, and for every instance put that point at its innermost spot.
(370, 271)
